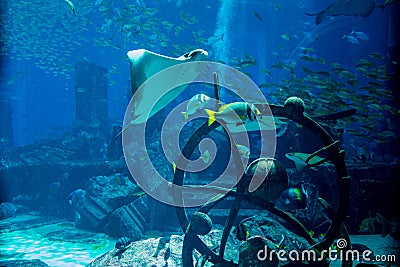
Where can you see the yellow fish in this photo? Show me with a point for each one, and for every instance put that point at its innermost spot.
(195, 104)
(237, 113)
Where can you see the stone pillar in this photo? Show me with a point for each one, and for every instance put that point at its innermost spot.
(6, 127)
(91, 93)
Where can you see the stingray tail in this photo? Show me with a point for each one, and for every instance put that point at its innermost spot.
(320, 17)
(211, 116)
(123, 129)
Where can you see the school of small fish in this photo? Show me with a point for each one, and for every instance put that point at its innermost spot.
(324, 86)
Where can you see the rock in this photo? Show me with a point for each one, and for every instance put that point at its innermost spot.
(115, 190)
(276, 230)
(91, 92)
(7, 210)
(114, 149)
(129, 220)
(250, 255)
(103, 195)
(151, 251)
(23, 263)
(6, 125)
(90, 212)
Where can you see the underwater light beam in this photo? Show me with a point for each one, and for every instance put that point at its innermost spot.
(224, 20)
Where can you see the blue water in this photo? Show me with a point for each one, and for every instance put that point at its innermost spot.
(33, 92)
(43, 41)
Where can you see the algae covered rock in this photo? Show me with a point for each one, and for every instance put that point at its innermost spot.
(7, 210)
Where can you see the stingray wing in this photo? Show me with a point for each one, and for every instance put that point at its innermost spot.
(347, 8)
(148, 97)
(302, 160)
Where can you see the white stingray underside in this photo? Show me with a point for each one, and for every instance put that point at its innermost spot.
(154, 85)
(152, 95)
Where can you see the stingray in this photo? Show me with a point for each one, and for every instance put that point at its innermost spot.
(143, 65)
(356, 8)
(302, 160)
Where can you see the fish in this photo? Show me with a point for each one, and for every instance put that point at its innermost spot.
(196, 103)
(234, 113)
(308, 58)
(387, 2)
(277, 5)
(376, 55)
(292, 198)
(263, 123)
(76, 197)
(307, 50)
(162, 242)
(143, 65)
(71, 6)
(355, 8)
(285, 37)
(244, 151)
(266, 72)
(205, 156)
(351, 39)
(360, 35)
(257, 16)
(300, 160)
(316, 72)
(363, 63)
(189, 19)
(286, 66)
(101, 245)
(215, 38)
(123, 243)
(242, 231)
(368, 226)
(167, 253)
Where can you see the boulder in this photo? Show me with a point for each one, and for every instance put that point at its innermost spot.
(7, 210)
(103, 195)
(114, 191)
(129, 220)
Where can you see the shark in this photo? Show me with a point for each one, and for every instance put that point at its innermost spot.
(355, 8)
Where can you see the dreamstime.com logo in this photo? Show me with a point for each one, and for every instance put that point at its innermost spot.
(153, 96)
(331, 254)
